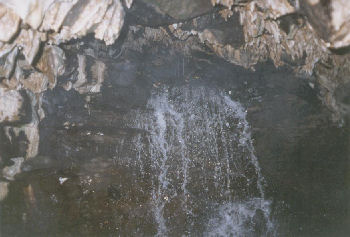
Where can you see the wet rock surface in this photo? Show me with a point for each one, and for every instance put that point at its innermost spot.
(76, 113)
(306, 35)
(84, 180)
(180, 9)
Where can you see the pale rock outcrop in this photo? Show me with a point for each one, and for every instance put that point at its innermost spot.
(55, 21)
(92, 15)
(111, 25)
(97, 71)
(30, 11)
(3, 190)
(128, 3)
(9, 23)
(340, 13)
(56, 14)
(51, 64)
(11, 102)
(264, 37)
(31, 129)
(8, 63)
(330, 19)
(9, 172)
(33, 26)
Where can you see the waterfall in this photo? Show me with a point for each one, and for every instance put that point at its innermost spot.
(198, 152)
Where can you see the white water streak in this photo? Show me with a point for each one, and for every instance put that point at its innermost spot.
(205, 131)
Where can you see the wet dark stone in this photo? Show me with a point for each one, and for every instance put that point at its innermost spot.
(142, 13)
(259, 221)
(180, 9)
(11, 148)
(319, 16)
(287, 59)
(122, 74)
(39, 162)
(228, 31)
(114, 192)
(343, 98)
(290, 21)
(302, 154)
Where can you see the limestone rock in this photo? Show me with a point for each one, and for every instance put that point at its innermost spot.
(3, 190)
(30, 11)
(104, 17)
(181, 9)
(11, 103)
(9, 172)
(128, 3)
(8, 63)
(68, 19)
(30, 130)
(111, 25)
(145, 14)
(50, 22)
(97, 71)
(51, 64)
(9, 23)
(56, 14)
(331, 20)
(29, 41)
(243, 32)
(35, 82)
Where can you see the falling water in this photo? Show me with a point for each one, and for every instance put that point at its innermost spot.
(205, 176)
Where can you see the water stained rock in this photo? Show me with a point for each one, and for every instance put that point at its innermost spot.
(183, 126)
(13, 106)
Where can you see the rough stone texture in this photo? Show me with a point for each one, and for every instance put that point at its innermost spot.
(52, 15)
(270, 33)
(296, 33)
(180, 9)
(31, 11)
(104, 18)
(97, 71)
(56, 14)
(78, 93)
(44, 50)
(51, 64)
(8, 63)
(11, 103)
(9, 23)
(55, 22)
(9, 172)
(3, 190)
(330, 19)
(333, 80)
(81, 132)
